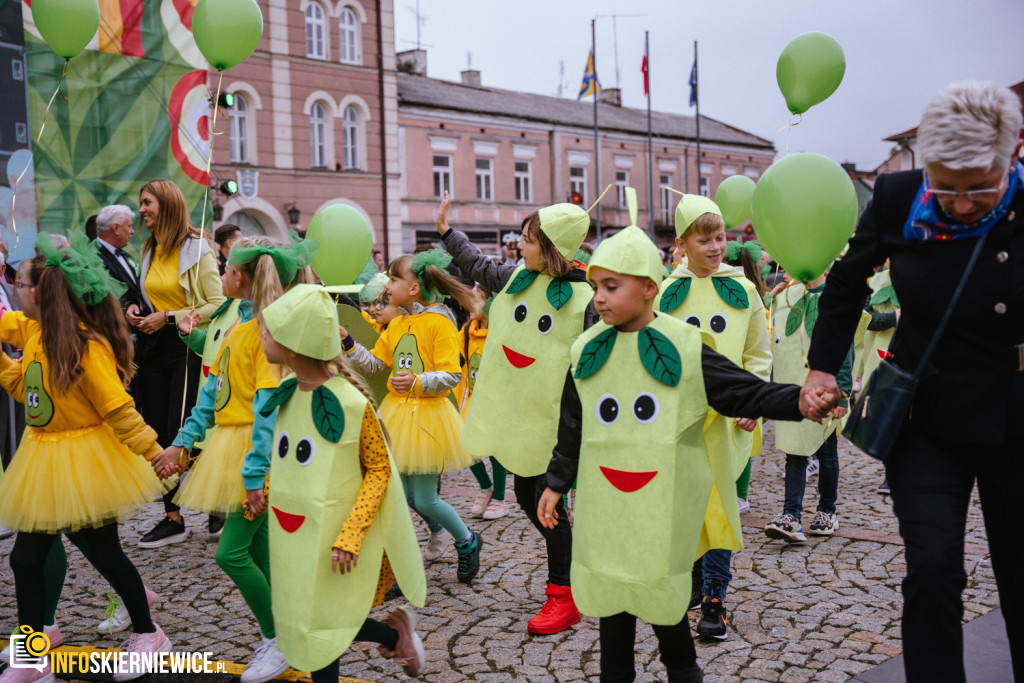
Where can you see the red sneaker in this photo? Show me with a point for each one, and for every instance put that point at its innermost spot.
(557, 614)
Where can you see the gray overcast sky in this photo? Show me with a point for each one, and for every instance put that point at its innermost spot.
(898, 54)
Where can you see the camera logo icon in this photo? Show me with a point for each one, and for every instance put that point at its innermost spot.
(29, 649)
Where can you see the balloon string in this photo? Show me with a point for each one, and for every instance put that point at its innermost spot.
(42, 127)
(788, 128)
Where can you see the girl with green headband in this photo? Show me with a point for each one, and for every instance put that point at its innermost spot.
(76, 470)
(231, 471)
(422, 352)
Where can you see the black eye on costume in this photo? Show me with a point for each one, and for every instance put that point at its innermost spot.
(718, 323)
(216, 335)
(544, 323)
(305, 451)
(282, 445)
(520, 311)
(693, 320)
(607, 409)
(645, 408)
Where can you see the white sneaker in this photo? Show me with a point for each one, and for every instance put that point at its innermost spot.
(267, 664)
(483, 497)
(145, 643)
(52, 632)
(744, 505)
(121, 619)
(436, 545)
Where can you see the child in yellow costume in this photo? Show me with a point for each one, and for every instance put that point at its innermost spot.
(720, 301)
(632, 430)
(76, 470)
(237, 456)
(333, 471)
(422, 352)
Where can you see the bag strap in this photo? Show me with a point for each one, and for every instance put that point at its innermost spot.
(923, 365)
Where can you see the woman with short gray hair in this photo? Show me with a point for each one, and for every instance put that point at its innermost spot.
(966, 421)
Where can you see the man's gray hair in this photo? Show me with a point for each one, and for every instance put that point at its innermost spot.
(109, 215)
(972, 124)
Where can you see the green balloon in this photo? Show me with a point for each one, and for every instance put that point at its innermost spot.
(810, 69)
(227, 31)
(67, 26)
(733, 197)
(345, 242)
(805, 209)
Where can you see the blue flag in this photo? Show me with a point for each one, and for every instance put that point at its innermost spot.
(590, 84)
(693, 84)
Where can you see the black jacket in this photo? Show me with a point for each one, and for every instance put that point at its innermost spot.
(973, 392)
(132, 295)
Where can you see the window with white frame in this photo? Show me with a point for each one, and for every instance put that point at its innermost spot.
(621, 183)
(350, 137)
(578, 181)
(484, 180)
(665, 182)
(316, 46)
(348, 36)
(238, 130)
(523, 181)
(442, 175)
(318, 135)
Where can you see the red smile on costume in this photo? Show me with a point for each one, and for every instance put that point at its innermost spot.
(289, 522)
(517, 359)
(627, 482)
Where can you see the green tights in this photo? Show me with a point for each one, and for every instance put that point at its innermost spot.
(479, 471)
(244, 554)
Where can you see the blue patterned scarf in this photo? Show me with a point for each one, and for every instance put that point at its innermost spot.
(927, 222)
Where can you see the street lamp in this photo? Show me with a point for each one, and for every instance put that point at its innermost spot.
(218, 211)
(293, 215)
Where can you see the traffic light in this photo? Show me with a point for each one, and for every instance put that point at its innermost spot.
(229, 187)
(226, 100)
(576, 198)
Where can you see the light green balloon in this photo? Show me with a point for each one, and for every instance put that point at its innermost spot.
(227, 31)
(67, 26)
(733, 197)
(805, 209)
(345, 242)
(809, 69)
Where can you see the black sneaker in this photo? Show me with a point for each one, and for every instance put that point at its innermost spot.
(712, 620)
(215, 524)
(469, 557)
(165, 533)
(697, 584)
(686, 674)
(883, 488)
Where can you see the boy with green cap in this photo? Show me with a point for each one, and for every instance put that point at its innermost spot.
(640, 376)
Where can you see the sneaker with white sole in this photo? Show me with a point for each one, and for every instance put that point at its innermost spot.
(436, 545)
(52, 632)
(824, 523)
(121, 619)
(144, 643)
(744, 505)
(408, 652)
(786, 528)
(267, 664)
(28, 675)
(496, 509)
(483, 498)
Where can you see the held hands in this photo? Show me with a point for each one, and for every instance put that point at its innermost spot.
(746, 424)
(168, 461)
(255, 502)
(403, 381)
(153, 322)
(546, 508)
(819, 396)
(441, 220)
(189, 322)
(343, 561)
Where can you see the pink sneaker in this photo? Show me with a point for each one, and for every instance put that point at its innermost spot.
(28, 675)
(52, 632)
(408, 652)
(144, 642)
(496, 509)
(483, 497)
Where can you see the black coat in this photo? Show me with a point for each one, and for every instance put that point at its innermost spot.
(973, 392)
(132, 295)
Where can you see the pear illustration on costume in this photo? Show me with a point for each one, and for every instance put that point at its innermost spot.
(223, 382)
(474, 367)
(38, 405)
(406, 357)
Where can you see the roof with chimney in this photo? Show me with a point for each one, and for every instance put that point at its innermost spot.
(422, 91)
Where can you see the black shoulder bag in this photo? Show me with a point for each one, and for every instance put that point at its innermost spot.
(883, 406)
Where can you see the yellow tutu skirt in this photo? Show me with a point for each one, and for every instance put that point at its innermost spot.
(73, 479)
(426, 434)
(214, 484)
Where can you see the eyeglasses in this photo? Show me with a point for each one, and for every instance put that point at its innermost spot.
(972, 195)
(18, 284)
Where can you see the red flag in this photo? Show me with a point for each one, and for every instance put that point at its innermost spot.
(643, 69)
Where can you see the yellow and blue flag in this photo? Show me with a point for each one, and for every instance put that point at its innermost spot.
(590, 84)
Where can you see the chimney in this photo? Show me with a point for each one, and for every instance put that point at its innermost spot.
(611, 96)
(412, 62)
(471, 77)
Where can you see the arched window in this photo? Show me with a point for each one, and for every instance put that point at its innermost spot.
(348, 38)
(350, 128)
(318, 135)
(238, 130)
(315, 43)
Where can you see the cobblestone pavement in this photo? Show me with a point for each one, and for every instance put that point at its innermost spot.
(824, 611)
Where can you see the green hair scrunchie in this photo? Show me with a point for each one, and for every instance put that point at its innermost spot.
(287, 259)
(81, 264)
(752, 247)
(433, 257)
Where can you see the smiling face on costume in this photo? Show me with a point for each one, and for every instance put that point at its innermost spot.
(38, 406)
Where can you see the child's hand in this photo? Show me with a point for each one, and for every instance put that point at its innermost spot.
(746, 424)
(190, 322)
(403, 381)
(342, 561)
(546, 508)
(839, 412)
(168, 461)
(441, 220)
(255, 502)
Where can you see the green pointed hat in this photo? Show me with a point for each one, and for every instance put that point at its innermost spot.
(566, 225)
(690, 208)
(305, 320)
(372, 290)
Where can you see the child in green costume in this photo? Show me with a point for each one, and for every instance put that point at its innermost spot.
(333, 471)
(642, 377)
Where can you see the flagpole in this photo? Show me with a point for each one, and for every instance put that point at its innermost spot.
(597, 142)
(650, 148)
(696, 90)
